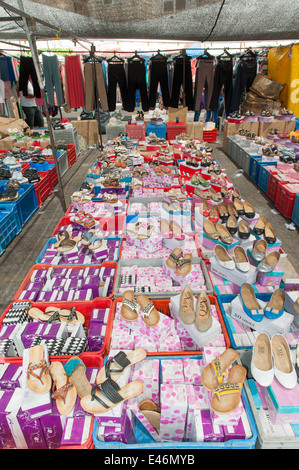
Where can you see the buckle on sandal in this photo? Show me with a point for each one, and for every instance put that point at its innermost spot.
(147, 310)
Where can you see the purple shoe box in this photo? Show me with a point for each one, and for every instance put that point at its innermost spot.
(206, 431)
(96, 336)
(99, 315)
(76, 430)
(10, 376)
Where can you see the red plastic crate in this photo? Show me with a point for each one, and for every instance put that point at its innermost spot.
(135, 131)
(71, 154)
(273, 182)
(53, 178)
(43, 188)
(175, 128)
(106, 224)
(210, 136)
(285, 198)
(162, 305)
(47, 266)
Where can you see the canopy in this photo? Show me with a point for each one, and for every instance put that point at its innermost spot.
(189, 20)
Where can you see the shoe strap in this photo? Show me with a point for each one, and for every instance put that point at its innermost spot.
(121, 359)
(148, 309)
(43, 366)
(226, 388)
(60, 393)
(109, 389)
(217, 370)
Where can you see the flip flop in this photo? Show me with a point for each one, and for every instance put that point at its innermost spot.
(38, 376)
(40, 316)
(150, 315)
(151, 412)
(75, 369)
(213, 374)
(116, 365)
(71, 316)
(165, 229)
(227, 396)
(63, 390)
(107, 395)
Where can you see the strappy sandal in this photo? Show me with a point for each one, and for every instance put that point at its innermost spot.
(115, 366)
(63, 390)
(213, 374)
(36, 314)
(227, 396)
(38, 376)
(69, 316)
(151, 316)
(107, 395)
(86, 237)
(95, 242)
(68, 244)
(129, 308)
(65, 235)
(132, 232)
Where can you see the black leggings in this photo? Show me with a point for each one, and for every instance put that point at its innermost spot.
(223, 78)
(178, 81)
(137, 81)
(158, 73)
(116, 75)
(27, 70)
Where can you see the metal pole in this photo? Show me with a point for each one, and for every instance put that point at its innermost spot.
(32, 42)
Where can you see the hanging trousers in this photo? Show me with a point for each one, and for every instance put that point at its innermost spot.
(159, 74)
(52, 79)
(177, 82)
(74, 82)
(223, 78)
(7, 73)
(137, 81)
(116, 76)
(27, 70)
(204, 78)
(91, 82)
(245, 75)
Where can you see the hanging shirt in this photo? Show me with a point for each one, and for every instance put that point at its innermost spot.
(28, 102)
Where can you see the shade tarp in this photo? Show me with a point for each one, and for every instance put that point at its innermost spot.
(189, 20)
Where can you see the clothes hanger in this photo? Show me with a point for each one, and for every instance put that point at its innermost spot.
(225, 55)
(248, 54)
(115, 59)
(205, 55)
(136, 58)
(158, 56)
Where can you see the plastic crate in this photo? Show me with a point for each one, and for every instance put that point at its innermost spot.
(47, 267)
(210, 136)
(26, 203)
(160, 130)
(135, 131)
(53, 178)
(273, 182)
(62, 162)
(114, 226)
(54, 240)
(145, 441)
(245, 164)
(162, 305)
(68, 136)
(285, 198)
(113, 131)
(254, 168)
(263, 177)
(295, 213)
(43, 188)
(71, 155)
(10, 225)
(175, 128)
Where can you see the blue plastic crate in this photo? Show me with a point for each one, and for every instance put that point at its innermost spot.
(54, 240)
(297, 125)
(295, 213)
(158, 129)
(145, 441)
(254, 167)
(10, 225)
(263, 177)
(26, 204)
(227, 299)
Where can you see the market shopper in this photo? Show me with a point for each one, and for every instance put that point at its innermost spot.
(33, 114)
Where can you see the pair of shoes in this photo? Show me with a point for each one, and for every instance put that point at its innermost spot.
(106, 394)
(110, 197)
(266, 229)
(65, 243)
(140, 230)
(217, 232)
(181, 263)
(252, 308)
(199, 181)
(200, 316)
(92, 240)
(209, 194)
(176, 195)
(240, 260)
(131, 309)
(245, 208)
(272, 358)
(173, 208)
(171, 230)
(81, 197)
(225, 379)
(84, 219)
(54, 314)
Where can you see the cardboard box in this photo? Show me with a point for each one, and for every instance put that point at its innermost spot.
(89, 130)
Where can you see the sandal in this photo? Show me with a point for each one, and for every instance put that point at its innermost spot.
(173, 258)
(86, 237)
(40, 316)
(75, 369)
(62, 236)
(68, 244)
(63, 390)
(129, 308)
(227, 396)
(151, 412)
(72, 316)
(145, 233)
(176, 230)
(165, 229)
(213, 374)
(107, 395)
(95, 242)
(150, 315)
(115, 366)
(132, 232)
(184, 265)
(38, 376)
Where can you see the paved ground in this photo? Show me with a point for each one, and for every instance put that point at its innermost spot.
(21, 253)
